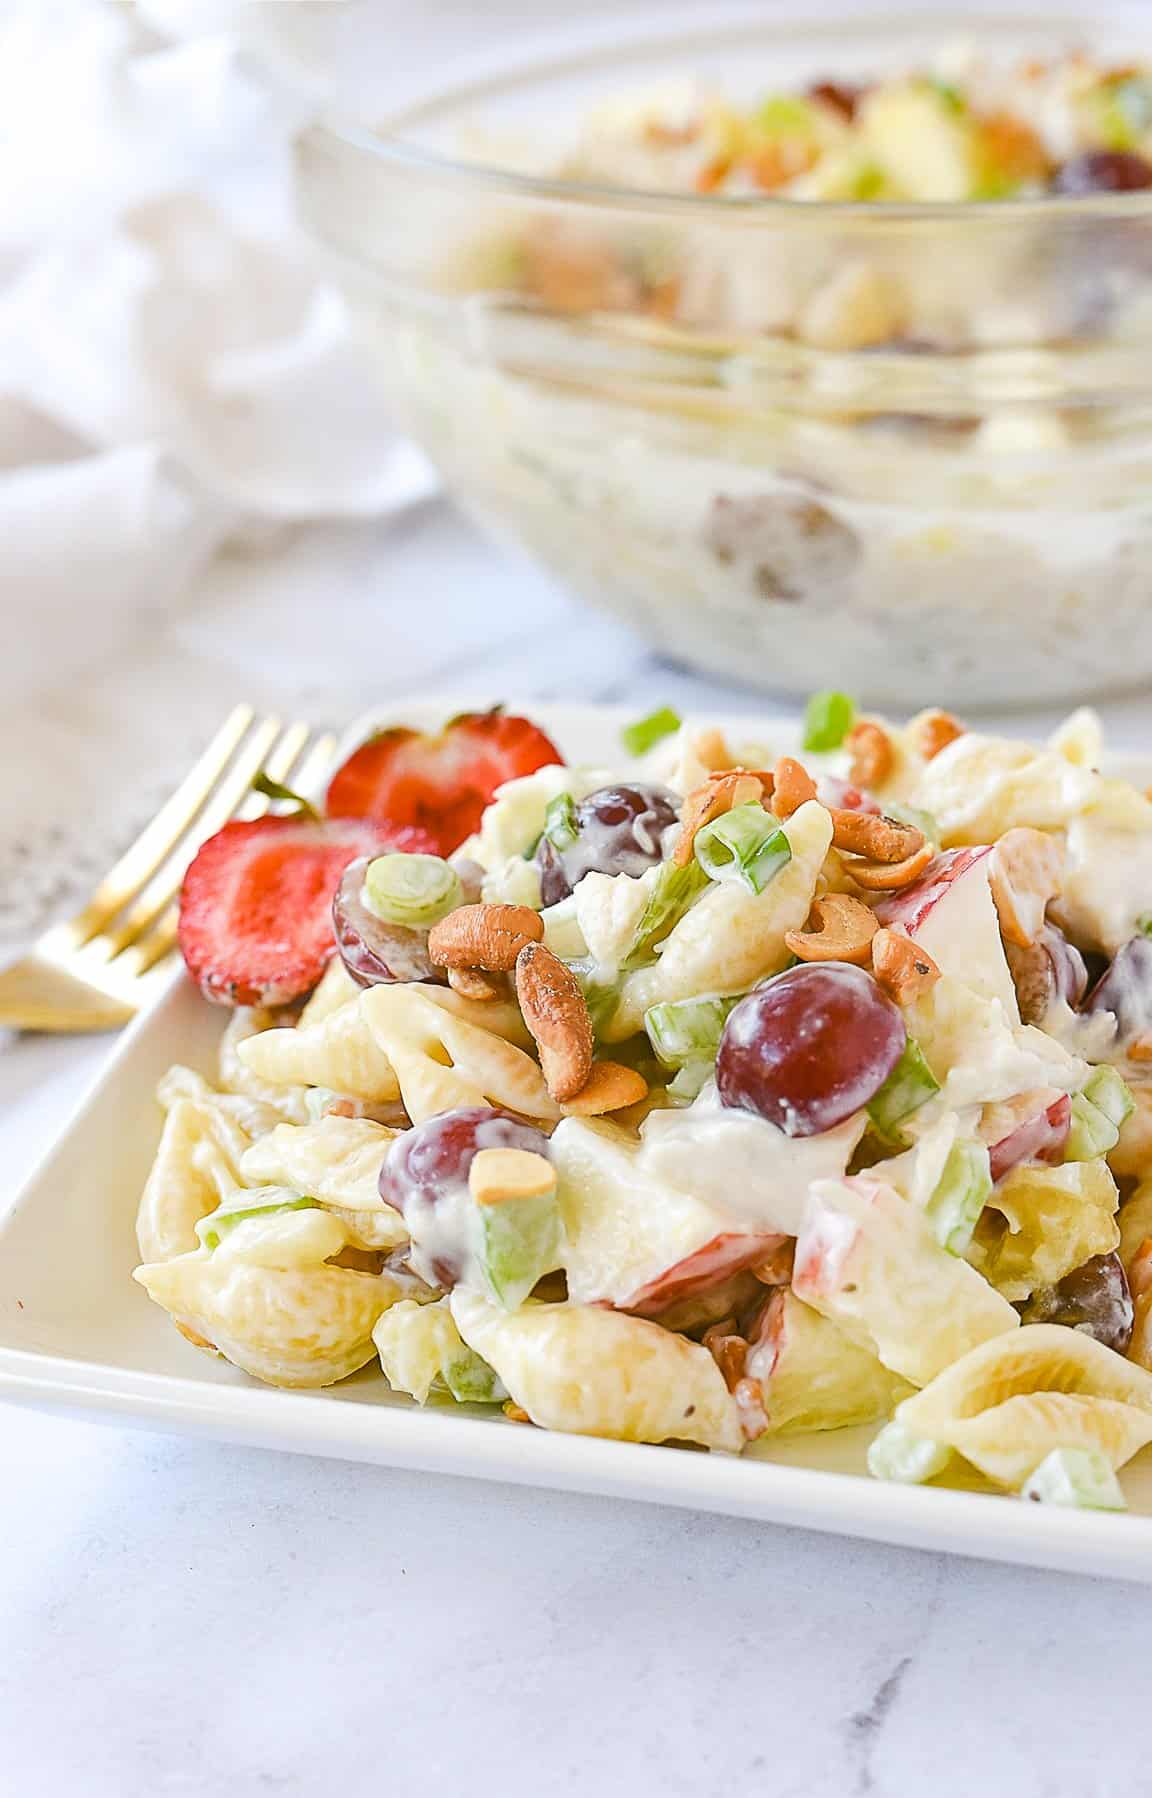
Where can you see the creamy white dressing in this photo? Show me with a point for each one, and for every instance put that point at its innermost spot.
(742, 1164)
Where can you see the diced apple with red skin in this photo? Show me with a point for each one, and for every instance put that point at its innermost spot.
(950, 913)
(811, 1375)
(632, 1242)
(718, 1260)
(869, 1261)
(1033, 1127)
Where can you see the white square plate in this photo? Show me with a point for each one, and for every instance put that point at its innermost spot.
(78, 1335)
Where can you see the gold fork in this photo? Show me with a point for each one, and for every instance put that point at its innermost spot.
(95, 971)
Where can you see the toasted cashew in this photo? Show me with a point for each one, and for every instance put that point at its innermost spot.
(1025, 871)
(609, 1087)
(871, 750)
(888, 877)
(719, 793)
(484, 936)
(474, 983)
(877, 839)
(792, 787)
(844, 929)
(903, 969)
(497, 1175)
(556, 1013)
(934, 731)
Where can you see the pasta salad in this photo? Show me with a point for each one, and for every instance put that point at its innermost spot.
(720, 1096)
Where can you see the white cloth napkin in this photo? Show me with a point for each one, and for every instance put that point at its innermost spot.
(174, 373)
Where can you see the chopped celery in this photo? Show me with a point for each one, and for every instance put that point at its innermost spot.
(828, 719)
(961, 1193)
(688, 1082)
(673, 893)
(414, 890)
(687, 1030)
(517, 1242)
(1090, 1132)
(1097, 1114)
(645, 733)
(910, 1085)
(1076, 1476)
(1108, 1091)
(471, 1381)
(560, 824)
(898, 1454)
(786, 115)
(212, 1229)
(745, 844)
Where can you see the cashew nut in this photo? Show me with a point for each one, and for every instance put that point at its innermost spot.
(887, 877)
(933, 731)
(877, 839)
(904, 970)
(1025, 871)
(844, 931)
(484, 936)
(720, 793)
(871, 749)
(792, 787)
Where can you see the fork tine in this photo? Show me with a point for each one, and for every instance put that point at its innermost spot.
(158, 837)
(228, 794)
(164, 885)
(153, 943)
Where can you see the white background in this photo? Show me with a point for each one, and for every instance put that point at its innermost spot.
(189, 1619)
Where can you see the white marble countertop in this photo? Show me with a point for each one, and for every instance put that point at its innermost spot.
(182, 1617)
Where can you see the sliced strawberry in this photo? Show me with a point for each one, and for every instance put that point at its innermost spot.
(440, 784)
(256, 904)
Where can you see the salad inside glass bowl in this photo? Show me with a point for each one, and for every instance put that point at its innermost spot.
(819, 354)
(717, 1096)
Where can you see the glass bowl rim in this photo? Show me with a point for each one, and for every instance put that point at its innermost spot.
(387, 143)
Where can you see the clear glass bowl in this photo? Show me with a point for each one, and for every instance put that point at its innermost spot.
(960, 511)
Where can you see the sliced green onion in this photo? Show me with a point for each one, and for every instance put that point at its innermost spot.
(1083, 1477)
(1144, 923)
(687, 1030)
(961, 1193)
(827, 720)
(560, 824)
(899, 1454)
(644, 735)
(275, 789)
(212, 1229)
(910, 1085)
(411, 889)
(673, 893)
(745, 844)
